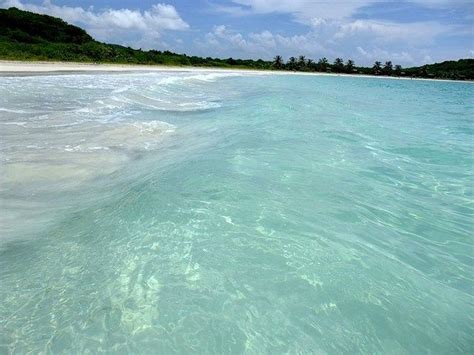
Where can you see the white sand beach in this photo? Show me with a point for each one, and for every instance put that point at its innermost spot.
(47, 67)
(8, 67)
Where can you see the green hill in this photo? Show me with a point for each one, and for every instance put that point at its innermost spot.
(461, 69)
(29, 36)
(27, 27)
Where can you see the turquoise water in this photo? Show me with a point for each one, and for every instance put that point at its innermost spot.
(235, 213)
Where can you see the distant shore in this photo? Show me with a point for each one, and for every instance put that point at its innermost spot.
(26, 68)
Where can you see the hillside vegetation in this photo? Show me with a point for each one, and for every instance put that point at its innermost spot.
(29, 36)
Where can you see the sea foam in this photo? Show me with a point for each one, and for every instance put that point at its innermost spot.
(63, 142)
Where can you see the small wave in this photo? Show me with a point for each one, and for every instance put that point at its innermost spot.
(208, 77)
(166, 105)
(120, 90)
(128, 136)
(79, 148)
(214, 76)
(153, 126)
(4, 109)
(21, 124)
(132, 136)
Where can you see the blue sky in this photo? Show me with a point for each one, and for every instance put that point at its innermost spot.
(406, 32)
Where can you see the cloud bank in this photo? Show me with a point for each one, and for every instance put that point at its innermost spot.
(334, 29)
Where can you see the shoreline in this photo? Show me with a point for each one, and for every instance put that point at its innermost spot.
(27, 68)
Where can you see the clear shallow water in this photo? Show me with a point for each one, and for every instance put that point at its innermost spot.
(224, 213)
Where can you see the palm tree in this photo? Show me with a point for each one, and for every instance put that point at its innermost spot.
(388, 68)
(310, 65)
(301, 62)
(291, 63)
(350, 66)
(278, 62)
(338, 65)
(376, 69)
(398, 70)
(323, 64)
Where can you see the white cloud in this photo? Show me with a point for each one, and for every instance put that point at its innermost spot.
(362, 40)
(427, 59)
(384, 31)
(332, 29)
(443, 3)
(384, 55)
(320, 14)
(112, 24)
(227, 43)
(304, 10)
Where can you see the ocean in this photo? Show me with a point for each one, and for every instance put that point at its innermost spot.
(235, 213)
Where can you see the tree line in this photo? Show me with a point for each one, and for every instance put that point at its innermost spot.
(338, 66)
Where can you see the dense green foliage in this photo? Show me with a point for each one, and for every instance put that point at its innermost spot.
(27, 27)
(461, 69)
(29, 36)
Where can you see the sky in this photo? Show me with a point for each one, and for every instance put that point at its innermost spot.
(408, 33)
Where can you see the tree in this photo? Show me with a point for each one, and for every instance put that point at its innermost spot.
(310, 65)
(301, 62)
(291, 63)
(338, 65)
(424, 71)
(278, 62)
(377, 68)
(231, 61)
(322, 64)
(350, 66)
(398, 70)
(388, 68)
